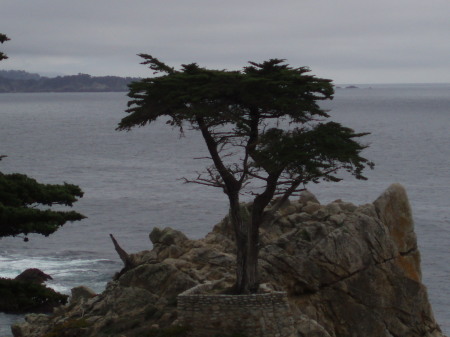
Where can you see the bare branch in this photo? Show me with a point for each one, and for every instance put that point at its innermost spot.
(254, 175)
(122, 253)
(202, 182)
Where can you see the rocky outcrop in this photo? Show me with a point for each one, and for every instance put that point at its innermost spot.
(349, 271)
(356, 271)
(33, 275)
(80, 294)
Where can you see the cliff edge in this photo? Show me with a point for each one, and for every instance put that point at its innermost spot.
(348, 270)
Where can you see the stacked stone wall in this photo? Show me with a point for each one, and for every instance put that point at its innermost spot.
(258, 315)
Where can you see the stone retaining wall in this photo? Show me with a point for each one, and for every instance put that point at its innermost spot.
(258, 315)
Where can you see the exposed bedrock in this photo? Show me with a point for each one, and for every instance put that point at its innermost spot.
(349, 271)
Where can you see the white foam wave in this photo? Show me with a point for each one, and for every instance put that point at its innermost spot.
(66, 272)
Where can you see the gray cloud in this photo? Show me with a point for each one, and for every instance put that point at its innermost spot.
(348, 41)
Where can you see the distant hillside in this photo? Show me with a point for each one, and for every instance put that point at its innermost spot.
(22, 81)
(19, 75)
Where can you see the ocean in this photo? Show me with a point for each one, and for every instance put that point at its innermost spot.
(133, 180)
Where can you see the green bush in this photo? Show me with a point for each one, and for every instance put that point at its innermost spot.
(24, 297)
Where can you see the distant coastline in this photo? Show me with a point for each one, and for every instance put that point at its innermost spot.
(19, 81)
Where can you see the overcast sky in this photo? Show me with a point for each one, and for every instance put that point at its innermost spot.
(349, 41)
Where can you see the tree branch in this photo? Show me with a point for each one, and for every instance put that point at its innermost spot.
(230, 181)
(122, 253)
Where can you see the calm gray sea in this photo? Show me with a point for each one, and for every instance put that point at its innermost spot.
(132, 179)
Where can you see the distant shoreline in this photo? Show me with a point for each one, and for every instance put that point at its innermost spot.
(62, 92)
(19, 81)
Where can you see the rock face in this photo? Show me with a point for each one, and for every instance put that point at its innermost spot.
(33, 275)
(349, 271)
(81, 293)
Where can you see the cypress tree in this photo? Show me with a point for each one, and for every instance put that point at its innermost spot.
(265, 132)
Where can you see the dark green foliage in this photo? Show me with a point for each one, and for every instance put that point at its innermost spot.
(273, 88)
(23, 297)
(311, 153)
(253, 112)
(3, 38)
(22, 201)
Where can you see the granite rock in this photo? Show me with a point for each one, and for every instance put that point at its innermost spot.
(349, 271)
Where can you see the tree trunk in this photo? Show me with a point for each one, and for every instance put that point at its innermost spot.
(232, 188)
(252, 257)
(257, 218)
(241, 285)
(253, 246)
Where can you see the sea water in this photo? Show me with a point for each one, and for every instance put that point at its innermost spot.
(132, 180)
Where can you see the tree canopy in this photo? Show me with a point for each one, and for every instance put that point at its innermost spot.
(19, 297)
(23, 204)
(265, 133)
